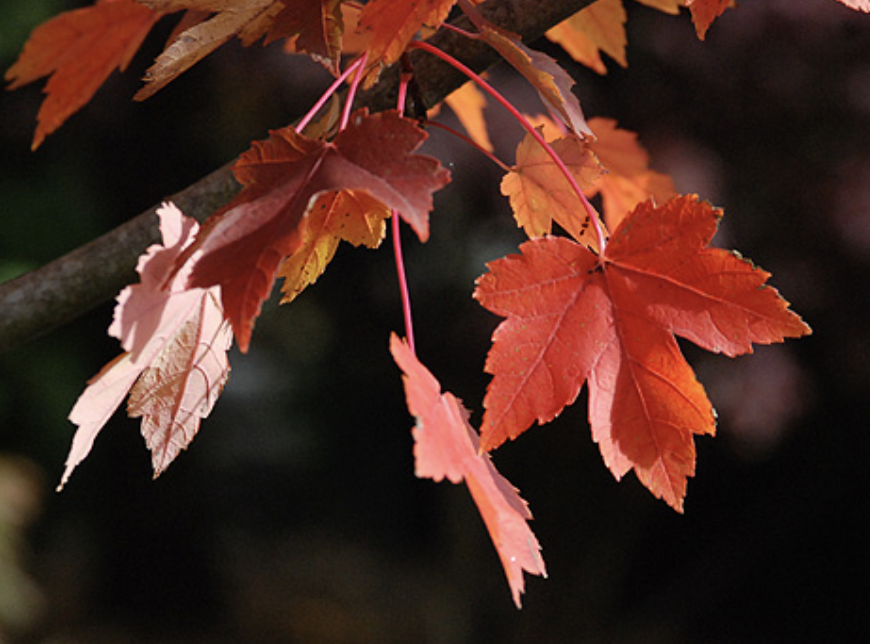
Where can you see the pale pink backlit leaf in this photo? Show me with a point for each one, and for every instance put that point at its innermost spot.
(446, 446)
(174, 365)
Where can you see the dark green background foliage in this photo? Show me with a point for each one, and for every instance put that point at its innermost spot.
(295, 515)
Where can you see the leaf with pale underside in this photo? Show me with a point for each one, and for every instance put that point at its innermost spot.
(551, 81)
(175, 362)
(446, 446)
(182, 384)
(611, 321)
(859, 5)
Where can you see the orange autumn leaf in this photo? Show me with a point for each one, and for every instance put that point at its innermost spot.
(666, 6)
(611, 321)
(354, 40)
(316, 28)
(628, 180)
(598, 27)
(540, 194)
(392, 24)
(446, 446)
(78, 50)
(350, 215)
(704, 12)
(467, 104)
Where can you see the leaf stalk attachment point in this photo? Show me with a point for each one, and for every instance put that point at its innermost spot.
(598, 227)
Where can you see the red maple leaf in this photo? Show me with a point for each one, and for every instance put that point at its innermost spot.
(244, 243)
(79, 49)
(610, 321)
(318, 27)
(446, 446)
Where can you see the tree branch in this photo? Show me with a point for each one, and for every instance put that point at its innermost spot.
(48, 297)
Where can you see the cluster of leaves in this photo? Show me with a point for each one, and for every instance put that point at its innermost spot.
(587, 306)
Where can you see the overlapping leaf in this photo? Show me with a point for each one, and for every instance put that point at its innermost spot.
(349, 215)
(540, 194)
(573, 317)
(79, 49)
(244, 244)
(249, 20)
(551, 81)
(393, 23)
(629, 179)
(175, 363)
(598, 27)
(446, 446)
(318, 27)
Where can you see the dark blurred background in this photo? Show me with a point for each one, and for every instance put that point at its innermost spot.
(295, 515)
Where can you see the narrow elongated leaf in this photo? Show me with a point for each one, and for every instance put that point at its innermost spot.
(551, 81)
(446, 446)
